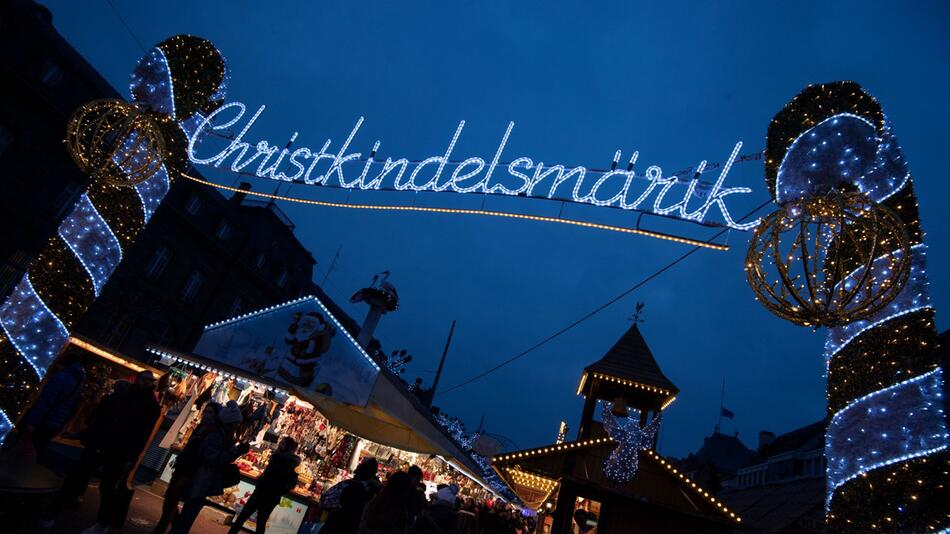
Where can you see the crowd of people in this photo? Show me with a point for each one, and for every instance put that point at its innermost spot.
(365, 505)
(117, 431)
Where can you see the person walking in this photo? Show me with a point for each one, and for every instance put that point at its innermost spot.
(440, 517)
(279, 477)
(186, 464)
(216, 453)
(56, 404)
(353, 498)
(114, 437)
(388, 511)
(418, 501)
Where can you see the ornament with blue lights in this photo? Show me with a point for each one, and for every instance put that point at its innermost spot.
(132, 151)
(887, 442)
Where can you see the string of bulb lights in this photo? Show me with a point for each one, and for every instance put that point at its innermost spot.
(596, 310)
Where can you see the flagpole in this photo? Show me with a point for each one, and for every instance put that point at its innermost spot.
(722, 395)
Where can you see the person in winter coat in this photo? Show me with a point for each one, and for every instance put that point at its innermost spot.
(279, 477)
(418, 501)
(440, 517)
(358, 491)
(115, 435)
(217, 450)
(186, 464)
(388, 511)
(466, 522)
(56, 404)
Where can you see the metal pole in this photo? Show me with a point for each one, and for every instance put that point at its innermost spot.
(438, 373)
(722, 395)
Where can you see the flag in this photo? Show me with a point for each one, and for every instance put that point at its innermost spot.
(727, 413)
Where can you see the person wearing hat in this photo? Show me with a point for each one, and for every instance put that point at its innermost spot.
(216, 452)
(116, 432)
(279, 477)
(440, 516)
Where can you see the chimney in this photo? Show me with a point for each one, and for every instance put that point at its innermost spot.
(765, 439)
(238, 197)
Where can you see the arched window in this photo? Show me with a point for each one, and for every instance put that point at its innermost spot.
(193, 204)
(158, 262)
(192, 285)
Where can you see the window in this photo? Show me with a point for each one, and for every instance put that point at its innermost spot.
(156, 265)
(259, 260)
(119, 332)
(282, 277)
(52, 74)
(224, 231)
(192, 285)
(193, 204)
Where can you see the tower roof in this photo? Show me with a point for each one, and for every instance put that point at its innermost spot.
(630, 359)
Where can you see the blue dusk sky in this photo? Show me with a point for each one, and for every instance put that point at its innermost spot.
(680, 82)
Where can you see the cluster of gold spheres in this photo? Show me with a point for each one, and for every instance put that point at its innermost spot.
(829, 260)
(116, 142)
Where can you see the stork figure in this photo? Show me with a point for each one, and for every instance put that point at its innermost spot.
(382, 298)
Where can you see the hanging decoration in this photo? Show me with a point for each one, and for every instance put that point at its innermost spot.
(115, 142)
(131, 151)
(623, 462)
(847, 205)
(828, 260)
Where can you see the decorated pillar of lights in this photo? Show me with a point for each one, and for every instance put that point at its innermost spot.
(848, 250)
(131, 151)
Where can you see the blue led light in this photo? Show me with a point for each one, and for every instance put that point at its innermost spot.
(36, 333)
(523, 176)
(893, 424)
(92, 241)
(912, 297)
(842, 148)
(152, 191)
(152, 83)
(6, 425)
(339, 326)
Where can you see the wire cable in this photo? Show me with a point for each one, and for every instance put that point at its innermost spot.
(126, 24)
(595, 311)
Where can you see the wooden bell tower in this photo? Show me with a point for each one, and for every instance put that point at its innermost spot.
(629, 372)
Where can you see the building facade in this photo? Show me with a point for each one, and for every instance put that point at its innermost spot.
(201, 258)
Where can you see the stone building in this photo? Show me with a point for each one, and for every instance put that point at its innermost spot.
(202, 257)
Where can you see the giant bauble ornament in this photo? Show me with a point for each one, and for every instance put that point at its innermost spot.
(828, 260)
(115, 142)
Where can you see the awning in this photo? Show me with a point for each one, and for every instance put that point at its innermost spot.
(392, 417)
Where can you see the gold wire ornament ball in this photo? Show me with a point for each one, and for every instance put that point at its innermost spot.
(115, 141)
(828, 260)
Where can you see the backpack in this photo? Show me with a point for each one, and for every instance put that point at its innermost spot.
(330, 500)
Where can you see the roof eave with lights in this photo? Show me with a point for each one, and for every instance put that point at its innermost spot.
(669, 394)
(498, 463)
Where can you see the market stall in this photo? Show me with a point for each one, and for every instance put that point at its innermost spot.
(329, 453)
(103, 368)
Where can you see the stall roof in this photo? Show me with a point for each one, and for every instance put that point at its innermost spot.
(392, 417)
(217, 366)
(656, 481)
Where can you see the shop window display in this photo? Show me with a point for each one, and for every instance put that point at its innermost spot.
(328, 453)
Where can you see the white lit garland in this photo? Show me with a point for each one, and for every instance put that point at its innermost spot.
(623, 462)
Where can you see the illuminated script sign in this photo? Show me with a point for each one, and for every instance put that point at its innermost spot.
(650, 192)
